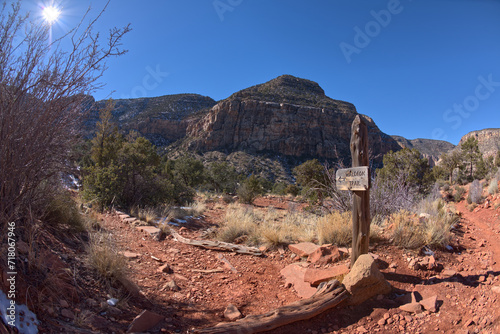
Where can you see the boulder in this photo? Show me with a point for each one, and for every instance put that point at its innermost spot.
(316, 276)
(303, 249)
(365, 280)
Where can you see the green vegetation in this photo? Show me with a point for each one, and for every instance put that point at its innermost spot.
(471, 155)
(416, 168)
(311, 178)
(250, 189)
(128, 172)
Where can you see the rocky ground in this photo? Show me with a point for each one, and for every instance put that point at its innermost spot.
(175, 287)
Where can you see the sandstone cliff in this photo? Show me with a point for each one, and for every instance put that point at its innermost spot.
(256, 126)
(488, 141)
(162, 119)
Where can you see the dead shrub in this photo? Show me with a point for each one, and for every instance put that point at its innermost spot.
(475, 192)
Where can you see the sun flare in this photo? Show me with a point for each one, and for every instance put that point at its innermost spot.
(51, 14)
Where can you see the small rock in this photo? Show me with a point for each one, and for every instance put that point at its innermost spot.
(294, 276)
(430, 304)
(496, 289)
(172, 286)
(448, 273)
(232, 313)
(381, 322)
(144, 322)
(325, 254)
(365, 281)
(165, 269)
(67, 314)
(361, 329)
(411, 308)
(303, 249)
(316, 276)
(63, 303)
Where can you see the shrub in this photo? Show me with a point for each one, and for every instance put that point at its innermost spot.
(222, 177)
(250, 189)
(493, 187)
(475, 192)
(292, 189)
(279, 188)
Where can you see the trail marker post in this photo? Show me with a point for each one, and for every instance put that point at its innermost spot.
(357, 180)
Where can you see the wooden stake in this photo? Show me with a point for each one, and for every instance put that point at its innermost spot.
(361, 199)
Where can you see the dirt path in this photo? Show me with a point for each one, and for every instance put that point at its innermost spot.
(204, 285)
(484, 227)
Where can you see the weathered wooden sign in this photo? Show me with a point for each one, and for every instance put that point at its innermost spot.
(355, 178)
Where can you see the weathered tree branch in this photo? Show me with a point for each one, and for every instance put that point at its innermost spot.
(328, 295)
(217, 244)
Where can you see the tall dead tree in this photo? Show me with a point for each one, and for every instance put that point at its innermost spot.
(361, 199)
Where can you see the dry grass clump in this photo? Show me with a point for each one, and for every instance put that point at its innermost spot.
(104, 258)
(407, 231)
(239, 221)
(335, 228)
(294, 226)
(148, 215)
(62, 211)
(273, 228)
(431, 228)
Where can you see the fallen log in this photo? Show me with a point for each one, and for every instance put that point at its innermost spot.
(328, 295)
(209, 244)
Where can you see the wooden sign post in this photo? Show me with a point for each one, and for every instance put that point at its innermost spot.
(357, 179)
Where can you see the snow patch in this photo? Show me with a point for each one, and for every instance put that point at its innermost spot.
(24, 320)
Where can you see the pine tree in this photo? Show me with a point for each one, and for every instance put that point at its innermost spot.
(471, 154)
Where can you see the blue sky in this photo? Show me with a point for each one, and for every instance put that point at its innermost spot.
(419, 68)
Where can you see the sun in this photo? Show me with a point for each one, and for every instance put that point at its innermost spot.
(51, 14)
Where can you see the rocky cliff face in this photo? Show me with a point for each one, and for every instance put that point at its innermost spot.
(285, 129)
(162, 119)
(488, 141)
(430, 149)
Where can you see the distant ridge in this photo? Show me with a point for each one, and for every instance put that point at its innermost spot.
(430, 148)
(292, 90)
